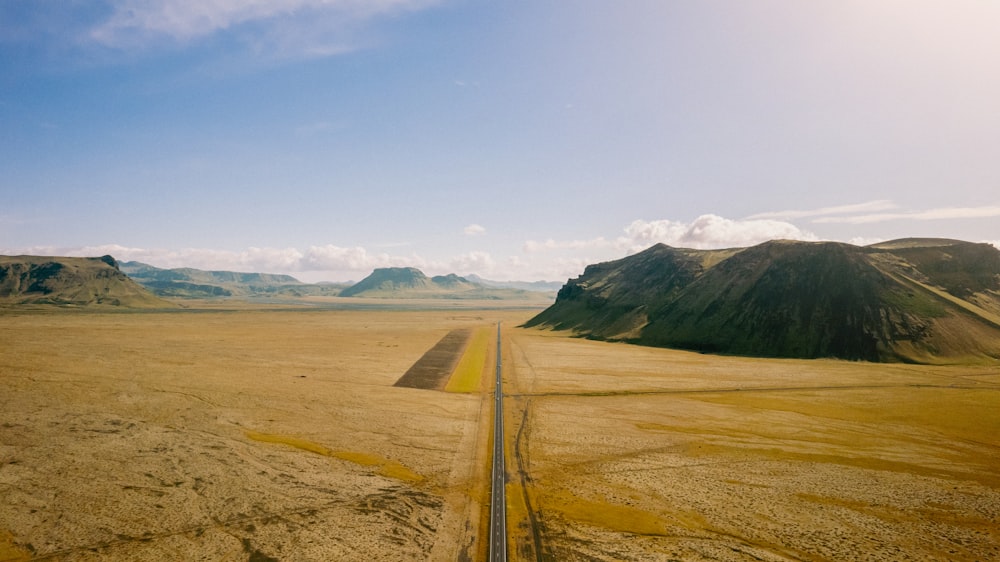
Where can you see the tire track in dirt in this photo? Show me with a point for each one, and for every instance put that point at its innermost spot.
(520, 456)
(238, 522)
(411, 514)
(522, 471)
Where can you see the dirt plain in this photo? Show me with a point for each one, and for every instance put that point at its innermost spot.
(278, 435)
(234, 435)
(630, 453)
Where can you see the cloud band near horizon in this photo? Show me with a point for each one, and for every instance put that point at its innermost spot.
(547, 259)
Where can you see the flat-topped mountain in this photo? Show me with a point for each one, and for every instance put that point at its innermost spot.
(391, 280)
(914, 300)
(196, 283)
(409, 282)
(71, 282)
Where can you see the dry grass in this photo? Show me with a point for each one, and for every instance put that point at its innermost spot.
(636, 453)
(391, 469)
(224, 435)
(220, 434)
(469, 371)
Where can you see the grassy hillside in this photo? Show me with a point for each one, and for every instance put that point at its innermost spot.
(71, 282)
(964, 270)
(910, 300)
(195, 283)
(613, 299)
(409, 282)
(790, 300)
(389, 280)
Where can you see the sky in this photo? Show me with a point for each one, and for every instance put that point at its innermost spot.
(520, 140)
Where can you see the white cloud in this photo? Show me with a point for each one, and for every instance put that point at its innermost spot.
(706, 231)
(329, 258)
(324, 263)
(534, 246)
(930, 214)
(862, 241)
(309, 26)
(548, 269)
(710, 231)
(866, 207)
(474, 230)
(549, 259)
(564, 268)
(476, 262)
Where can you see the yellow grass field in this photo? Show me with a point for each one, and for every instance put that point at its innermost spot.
(468, 374)
(629, 453)
(274, 434)
(235, 434)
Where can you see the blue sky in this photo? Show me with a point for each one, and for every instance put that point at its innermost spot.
(515, 140)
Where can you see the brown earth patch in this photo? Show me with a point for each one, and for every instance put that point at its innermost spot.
(432, 370)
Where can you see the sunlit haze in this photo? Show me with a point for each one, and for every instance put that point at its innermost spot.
(513, 140)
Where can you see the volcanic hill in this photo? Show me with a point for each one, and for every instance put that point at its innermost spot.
(910, 300)
(71, 282)
(409, 282)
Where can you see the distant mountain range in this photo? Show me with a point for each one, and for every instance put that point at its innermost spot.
(392, 282)
(409, 282)
(104, 281)
(911, 300)
(196, 283)
(538, 286)
(26, 280)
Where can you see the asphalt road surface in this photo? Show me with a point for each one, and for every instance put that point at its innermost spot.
(498, 500)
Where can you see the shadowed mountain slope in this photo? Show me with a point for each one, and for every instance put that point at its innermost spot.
(71, 282)
(914, 300)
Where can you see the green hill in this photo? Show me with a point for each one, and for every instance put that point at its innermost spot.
(411, 283)
(196, 283)
(612, 300)
(71, 282)
(919, 300)
(388, 280)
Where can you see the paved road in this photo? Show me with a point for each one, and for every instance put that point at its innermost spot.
(498, 501)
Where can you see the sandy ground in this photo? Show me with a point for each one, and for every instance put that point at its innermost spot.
(234, 435)
(648, 454)
(278, 435)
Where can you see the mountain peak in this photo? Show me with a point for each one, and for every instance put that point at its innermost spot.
(388, 280)
(411, 283)
(919, 300)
